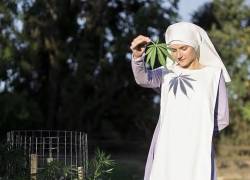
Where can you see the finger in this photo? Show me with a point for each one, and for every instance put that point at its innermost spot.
(138, 51)
(142, 39)
(138, 47)
(140, 42)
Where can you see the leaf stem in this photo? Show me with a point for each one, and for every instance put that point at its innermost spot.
(153, 42)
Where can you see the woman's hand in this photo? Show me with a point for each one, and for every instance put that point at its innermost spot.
(138, 45)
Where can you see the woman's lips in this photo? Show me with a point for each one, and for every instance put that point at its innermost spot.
(180, 60)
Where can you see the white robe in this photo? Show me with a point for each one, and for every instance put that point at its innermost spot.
(183, 147)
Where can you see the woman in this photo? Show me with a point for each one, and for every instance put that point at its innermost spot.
(194, 104)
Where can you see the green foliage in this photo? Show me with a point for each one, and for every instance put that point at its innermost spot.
(158, 51)
(67, 65)
(101, 166)
(57, 170)
(229, 29)
(13, 163)
(232, 38)
(246, 111)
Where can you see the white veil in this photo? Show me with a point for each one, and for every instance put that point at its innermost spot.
(193, 35)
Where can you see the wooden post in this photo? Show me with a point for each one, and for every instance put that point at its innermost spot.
(33, 166)
(80, 173)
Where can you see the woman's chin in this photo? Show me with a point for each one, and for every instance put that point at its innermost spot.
(183, 64)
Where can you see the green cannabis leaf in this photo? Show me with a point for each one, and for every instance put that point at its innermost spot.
(100, 166)
(157, 50)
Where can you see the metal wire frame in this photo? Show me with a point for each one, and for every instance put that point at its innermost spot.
(69, 147)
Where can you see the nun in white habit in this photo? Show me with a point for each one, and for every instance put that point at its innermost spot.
(193, 107)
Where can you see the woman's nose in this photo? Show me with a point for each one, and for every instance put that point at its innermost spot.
(179, 54)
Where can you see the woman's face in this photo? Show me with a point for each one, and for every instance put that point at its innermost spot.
(184, 55)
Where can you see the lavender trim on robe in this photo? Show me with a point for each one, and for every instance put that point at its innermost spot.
(153, 79)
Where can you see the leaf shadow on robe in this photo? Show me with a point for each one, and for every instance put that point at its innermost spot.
(183, 81)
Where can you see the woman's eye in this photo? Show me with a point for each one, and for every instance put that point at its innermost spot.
(173, 50)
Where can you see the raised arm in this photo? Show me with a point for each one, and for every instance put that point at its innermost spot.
(143, 76)
(221, 108)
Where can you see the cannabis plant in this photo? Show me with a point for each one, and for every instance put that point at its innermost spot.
(14, 165)
(57, 170)
(101, 166)
(156, 50)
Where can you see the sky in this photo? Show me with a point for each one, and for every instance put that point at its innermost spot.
(187, 7)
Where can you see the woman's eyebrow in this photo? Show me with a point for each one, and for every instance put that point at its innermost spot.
(178, 47)
(183, 46)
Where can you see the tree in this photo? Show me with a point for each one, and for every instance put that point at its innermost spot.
(229, 29)
(70, 68)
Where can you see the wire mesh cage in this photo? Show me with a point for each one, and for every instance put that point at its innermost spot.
(44, 146)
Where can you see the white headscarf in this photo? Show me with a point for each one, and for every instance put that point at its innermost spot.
(193, 35)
